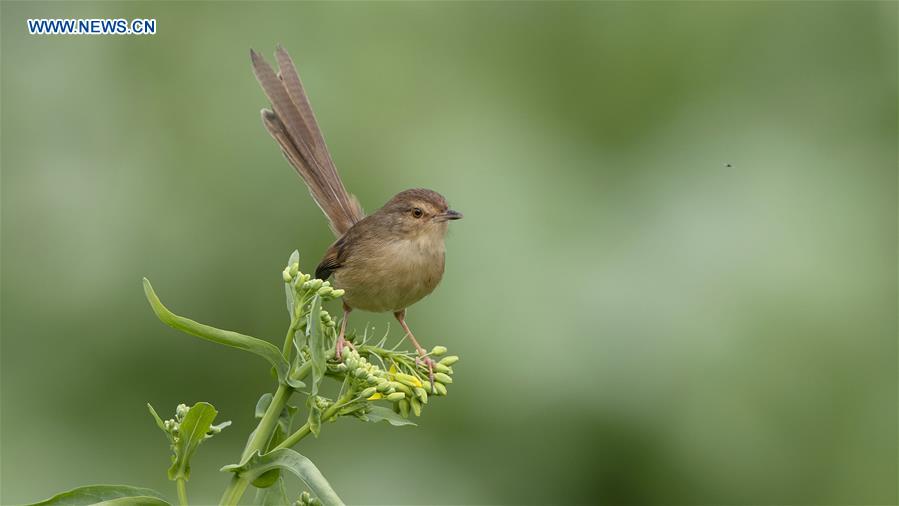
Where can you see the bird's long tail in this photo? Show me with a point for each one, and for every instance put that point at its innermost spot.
(292, 124)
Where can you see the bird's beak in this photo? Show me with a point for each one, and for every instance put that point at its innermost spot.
(449, 215)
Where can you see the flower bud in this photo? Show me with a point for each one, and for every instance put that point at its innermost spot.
(337, 293)
(383, 387)
(325, 291)
(443, 378)
(407, 379)
(404, 408)
(438, 350)
(402, 388)
(180, 411)
(395, 396)
(286, 275)
(450, 360)
(294, 269)
(441, 368)
(440, 387)
(368, 392)
(422, 395)
(315, 284)
(416, 406)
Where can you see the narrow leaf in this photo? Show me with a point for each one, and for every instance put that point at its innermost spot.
(295, 383)
(139, 500)
(315, 416)
(262, 404)
(289, 286)
(294, 258)
(316, 343)
(159, 421)
(262, 348)
(106, 495)
(379, 413)
(317, 353)
(291, 461)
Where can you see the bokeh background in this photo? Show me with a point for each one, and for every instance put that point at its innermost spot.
(675, 281)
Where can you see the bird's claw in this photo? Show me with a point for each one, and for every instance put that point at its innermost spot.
(429, 363)
(338, 347)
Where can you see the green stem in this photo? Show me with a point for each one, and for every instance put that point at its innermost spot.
(257, 443)
(181, 484)
(288, 341)
(234, 491)
(305, 430)
(266, 426)
(263, 434)
(296, 436)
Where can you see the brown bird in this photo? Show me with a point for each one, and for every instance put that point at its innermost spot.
(385, 261)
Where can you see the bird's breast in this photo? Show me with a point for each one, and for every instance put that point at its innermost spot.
(390, 275)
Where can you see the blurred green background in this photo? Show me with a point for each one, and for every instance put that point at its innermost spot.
(675, 281)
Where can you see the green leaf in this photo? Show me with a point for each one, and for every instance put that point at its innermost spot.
(316, 343)
(160, 423)
(140, 500)
(379, 413)
(274, 495)
(315, 416)
(262, 348)
(119, 495)
(262, 404)
(291, 461)
(197, 422)
(294, 383)
(318, 358)
(267, 479)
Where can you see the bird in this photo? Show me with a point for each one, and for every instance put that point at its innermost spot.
(385, 261)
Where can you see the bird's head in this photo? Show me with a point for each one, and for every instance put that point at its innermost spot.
(419, 211)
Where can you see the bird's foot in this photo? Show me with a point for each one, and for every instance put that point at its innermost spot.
(338, 347)
(429, 363)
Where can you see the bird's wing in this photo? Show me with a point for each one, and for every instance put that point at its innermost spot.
(292, 124)
(332, 260)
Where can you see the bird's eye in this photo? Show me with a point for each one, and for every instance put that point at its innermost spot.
(417, 212)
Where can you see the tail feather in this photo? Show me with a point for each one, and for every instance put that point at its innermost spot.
(292, 124)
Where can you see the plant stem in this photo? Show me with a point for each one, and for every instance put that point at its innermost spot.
(238, 485)
(263, 433)
(181, 484)
(266, 426)
(234, 491)
(329, 413)
(288, 341)
(296, 436)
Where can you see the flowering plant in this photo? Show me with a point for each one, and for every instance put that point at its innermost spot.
(377, 383)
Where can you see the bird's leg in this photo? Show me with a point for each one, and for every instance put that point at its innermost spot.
(401, 317)
(341, 340)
